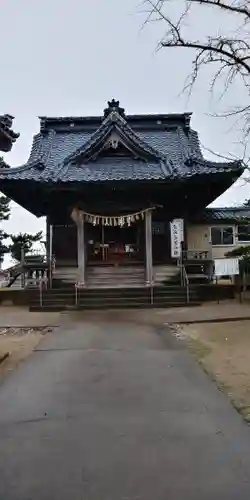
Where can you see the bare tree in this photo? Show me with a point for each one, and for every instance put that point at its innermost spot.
(225, 49)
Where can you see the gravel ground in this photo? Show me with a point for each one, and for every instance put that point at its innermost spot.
(19, 343)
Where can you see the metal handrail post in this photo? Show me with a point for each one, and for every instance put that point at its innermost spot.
(52, 269)
(182, 264)
(187, 284)
(188, 293)
(181, 271)
(41, 292)
(76, 294)
(22, 262)
(151, 294)
(50, 273)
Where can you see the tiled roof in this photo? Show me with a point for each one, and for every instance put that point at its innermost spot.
(71, 150)
(95, 143)
(113, 169)
(235, 214)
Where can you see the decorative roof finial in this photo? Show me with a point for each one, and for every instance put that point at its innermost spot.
(7, 135)
(114, 106)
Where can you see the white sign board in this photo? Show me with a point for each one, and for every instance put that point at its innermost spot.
(177, 235)
(226, 267)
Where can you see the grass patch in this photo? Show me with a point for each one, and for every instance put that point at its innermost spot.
(223, 352)
(244, 411)
(199, 348)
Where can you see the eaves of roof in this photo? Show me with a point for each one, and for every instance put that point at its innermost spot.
(110, 169)
(234, 214)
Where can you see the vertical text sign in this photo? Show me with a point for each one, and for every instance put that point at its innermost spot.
(176, 230)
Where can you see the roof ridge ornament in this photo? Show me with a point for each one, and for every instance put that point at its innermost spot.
(2, 163)
(114, 106)
(6, 122)
(7, 135)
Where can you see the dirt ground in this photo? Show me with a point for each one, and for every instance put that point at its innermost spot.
(224, 351)
(19, 343)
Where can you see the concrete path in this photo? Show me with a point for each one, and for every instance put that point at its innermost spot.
(109, 408)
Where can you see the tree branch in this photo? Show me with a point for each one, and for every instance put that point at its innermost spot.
(207, 48)
(223, 6)
(228, 54)
(226, 47)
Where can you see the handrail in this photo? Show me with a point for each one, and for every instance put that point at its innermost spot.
(42, 282)
(76, 294)
(52, 268)
(186, 282)
(180, 265)
(151, 294)
(78, 286)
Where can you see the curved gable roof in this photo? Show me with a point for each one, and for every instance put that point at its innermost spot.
(161, 147)
(124, 133)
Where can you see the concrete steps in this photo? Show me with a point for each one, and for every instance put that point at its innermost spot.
(165, 274)
(115, 276)
(67, 275)
(112, 298)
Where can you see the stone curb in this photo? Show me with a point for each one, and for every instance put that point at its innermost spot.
(24, 327)
(211, 320)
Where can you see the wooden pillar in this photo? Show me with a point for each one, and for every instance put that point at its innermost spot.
(148, 241)
(47, 238)
(50, 242)
(49, 250)
(185, 233)
(78, 218)
(81, 249)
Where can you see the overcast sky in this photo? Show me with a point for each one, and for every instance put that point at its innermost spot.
(62, 57)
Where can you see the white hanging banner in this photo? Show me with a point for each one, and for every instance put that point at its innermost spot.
(177, 236)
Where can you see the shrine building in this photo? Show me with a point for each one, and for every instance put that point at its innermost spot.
(112, 187)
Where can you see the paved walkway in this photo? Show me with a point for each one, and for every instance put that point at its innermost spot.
(109, 408)
(21, 317)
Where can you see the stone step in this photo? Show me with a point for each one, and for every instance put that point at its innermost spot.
(114, 269)
(157, 270)
(115, 284)
(114, 276)
(119, 292)
(99, 296)
(112, 298)
(110, 306)
(111, 276)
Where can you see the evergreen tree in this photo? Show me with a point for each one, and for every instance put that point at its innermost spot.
(4, 215)
(23, 241)
(4, 208)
